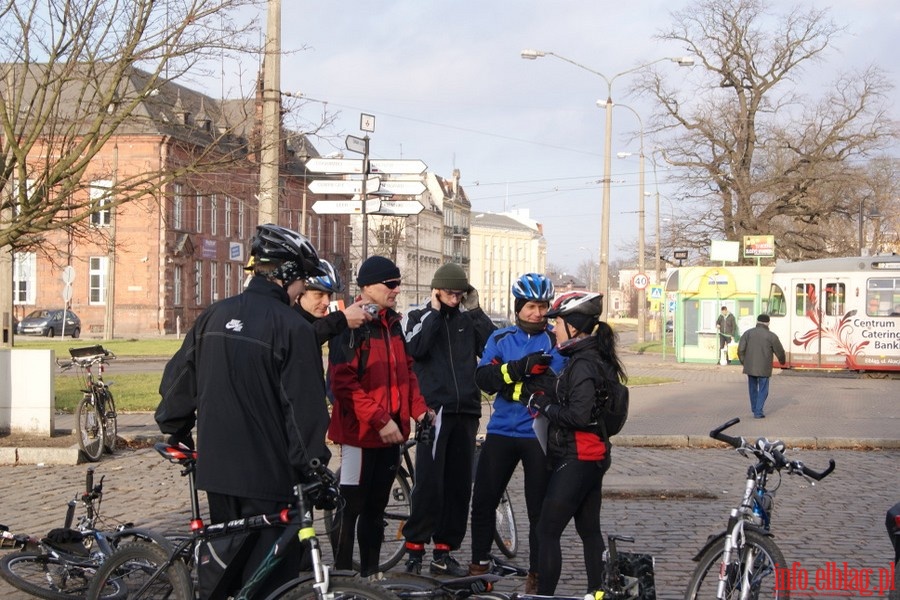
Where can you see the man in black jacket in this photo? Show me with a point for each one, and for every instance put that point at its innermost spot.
(249, 375)
(445, 343)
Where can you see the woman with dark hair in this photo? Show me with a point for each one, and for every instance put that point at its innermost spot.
(577, 449)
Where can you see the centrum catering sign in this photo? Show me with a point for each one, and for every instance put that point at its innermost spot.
(759, 246)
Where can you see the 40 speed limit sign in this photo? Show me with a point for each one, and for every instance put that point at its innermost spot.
(640, 281)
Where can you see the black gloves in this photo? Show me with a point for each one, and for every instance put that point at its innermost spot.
(185, 440)
(529, 365)
(425, 430)
(538, 402)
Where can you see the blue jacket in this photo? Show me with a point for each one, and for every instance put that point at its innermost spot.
(511, 417)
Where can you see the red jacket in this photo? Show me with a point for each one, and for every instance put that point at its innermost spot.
(367, 396)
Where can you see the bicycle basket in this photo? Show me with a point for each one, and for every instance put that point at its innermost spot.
(95, 350)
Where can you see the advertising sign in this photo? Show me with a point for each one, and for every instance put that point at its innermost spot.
(759, 246)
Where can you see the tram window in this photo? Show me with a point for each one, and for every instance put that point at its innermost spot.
(777, 304)
(881, 296)
(834, 299)
(805, 298)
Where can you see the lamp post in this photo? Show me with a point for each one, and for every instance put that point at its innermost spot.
(684, 61)
(873, 214)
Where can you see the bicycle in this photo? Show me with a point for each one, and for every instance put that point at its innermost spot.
(397, 511)
(60, 565)
(743, 561)
(95, 416)
(140, 570)
(412, 586)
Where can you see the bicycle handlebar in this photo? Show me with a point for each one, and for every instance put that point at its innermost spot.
(717, 434)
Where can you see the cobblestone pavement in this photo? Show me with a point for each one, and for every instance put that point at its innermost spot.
(689, 496)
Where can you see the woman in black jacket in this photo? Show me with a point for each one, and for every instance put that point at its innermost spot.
(579, 455)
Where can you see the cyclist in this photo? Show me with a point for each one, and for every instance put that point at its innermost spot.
(316, 298)
(247, 375)
(375, 394)
(515, 359)
(578, 451)
(445, 338)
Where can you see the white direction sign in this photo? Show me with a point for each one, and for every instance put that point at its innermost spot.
(400, 207)
(396, 167)
(335, 165)
(343, 186)
(355, 144)
(345, 207)
(401, 188)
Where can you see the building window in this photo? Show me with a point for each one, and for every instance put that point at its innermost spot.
(24, 277)
(213, 214)
(198, 282)
(178, 207)
(99, 268)
(198, 214)
(227, 216)
(227, 279)
(177, 285)
(240, 220)
(100, 197)
(213, 283)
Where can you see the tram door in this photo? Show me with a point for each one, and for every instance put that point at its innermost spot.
(816, 321)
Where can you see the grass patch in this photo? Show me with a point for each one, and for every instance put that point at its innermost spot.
(133, 392)
(121, 348)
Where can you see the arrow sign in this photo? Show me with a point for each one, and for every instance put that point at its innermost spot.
(401, 188)
(395, 167)
(335, 165)
(356, 144)
(343, 186)
(344, 207)
(400, 207)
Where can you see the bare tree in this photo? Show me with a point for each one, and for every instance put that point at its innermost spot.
(756, 156)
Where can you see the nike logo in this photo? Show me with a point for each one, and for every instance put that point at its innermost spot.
(235, 324)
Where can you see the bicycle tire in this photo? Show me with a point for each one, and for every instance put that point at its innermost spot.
(765, 555)
(506, 535)
(396, 514)
(110, 422)
(410, 586)
(44, 576)
(131, 566)
(89, 427)
(341, 587)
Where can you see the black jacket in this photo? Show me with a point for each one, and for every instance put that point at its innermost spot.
(327, 327)
(446, 345)
(249, 373)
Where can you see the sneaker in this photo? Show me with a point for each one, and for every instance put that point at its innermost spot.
(414, 565)
(448, 566)
(479, 568)
(531, 583)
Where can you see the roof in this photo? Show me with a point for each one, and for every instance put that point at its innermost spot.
(501, 221)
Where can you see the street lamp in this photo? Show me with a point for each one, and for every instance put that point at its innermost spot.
(682, 61)
(873, 214)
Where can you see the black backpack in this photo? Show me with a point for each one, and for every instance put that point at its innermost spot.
(612, 407)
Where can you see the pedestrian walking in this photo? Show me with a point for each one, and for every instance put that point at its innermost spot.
(247, 374)
(755, 350)
(445, 339)
(375, 392)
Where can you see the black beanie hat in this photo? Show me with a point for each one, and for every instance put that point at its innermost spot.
(376, 269)
(450, 277)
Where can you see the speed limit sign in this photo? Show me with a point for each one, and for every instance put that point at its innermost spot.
(640, 281)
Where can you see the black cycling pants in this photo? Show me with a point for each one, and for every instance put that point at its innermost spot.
(574, 491)
(367, 475)
(499, 456)
(440, 497)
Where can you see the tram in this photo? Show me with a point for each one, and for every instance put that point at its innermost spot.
(838, 313)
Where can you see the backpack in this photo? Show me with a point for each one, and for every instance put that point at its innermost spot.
(612, 407)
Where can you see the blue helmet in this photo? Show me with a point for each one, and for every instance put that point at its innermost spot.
(533, 286)
(330, 282)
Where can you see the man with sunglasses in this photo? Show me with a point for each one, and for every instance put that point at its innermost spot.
(375, 394)
(445, 338)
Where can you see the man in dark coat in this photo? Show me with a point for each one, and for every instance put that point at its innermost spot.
(756, 349)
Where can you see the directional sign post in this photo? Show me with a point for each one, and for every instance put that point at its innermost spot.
(401, 188)
(397, 167)
(344, 186)
(400, 207)
(357, 144)
(350, 166)
(345, 207)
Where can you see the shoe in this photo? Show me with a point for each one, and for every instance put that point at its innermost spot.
(759, 416)
(531, 583)
(448, 566)
(414, 565)
(479, 568)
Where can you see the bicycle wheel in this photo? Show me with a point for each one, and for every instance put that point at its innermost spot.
(342, 587)
(506, 536)
(758, 558)
(134, 566)
(411, 586)
(89, 428)
(41, 575)
(110, 424)
(396, 513)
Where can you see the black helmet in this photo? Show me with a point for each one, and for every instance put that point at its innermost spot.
(294, 256)
(582, 303)
(330, 282)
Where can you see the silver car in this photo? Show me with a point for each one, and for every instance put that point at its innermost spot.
(49, 323)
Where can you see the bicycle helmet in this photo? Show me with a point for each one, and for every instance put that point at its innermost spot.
(330, 282)
(582, 303)
(533, 286)
(293, 253)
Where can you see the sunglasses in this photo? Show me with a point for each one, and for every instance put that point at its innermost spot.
(392, 284)
(454, 293)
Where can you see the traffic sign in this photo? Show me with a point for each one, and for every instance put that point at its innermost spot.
(396, 167)
(343, 186)
(400, 207)
(640, 281)
(656, 292)
(345, 207)
(68, 275)
(356, 144)
(401, 188)
(335, 165)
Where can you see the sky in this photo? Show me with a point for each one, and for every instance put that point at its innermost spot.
(446, 84)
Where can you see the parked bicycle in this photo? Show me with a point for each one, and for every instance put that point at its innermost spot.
(144, 571)
(396, 513)
(741, 561)
(95, 416)
(61, 565)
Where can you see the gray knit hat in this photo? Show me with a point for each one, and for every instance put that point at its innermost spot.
(450, 277)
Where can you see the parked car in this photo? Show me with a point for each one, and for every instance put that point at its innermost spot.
(49, 323)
